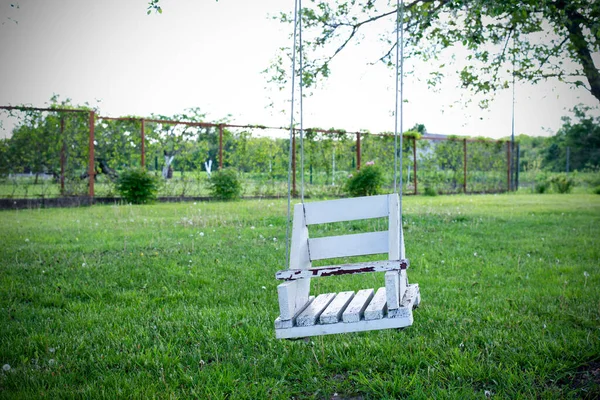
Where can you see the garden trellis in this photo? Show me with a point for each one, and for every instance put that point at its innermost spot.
(115, 143)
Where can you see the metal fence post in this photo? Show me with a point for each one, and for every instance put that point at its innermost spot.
(63, 152)
(465, 166)
(415, 163)
(358, 150)
(221, 146)
(508, 158)
(518, 166)
(92, 169)
(143, 134)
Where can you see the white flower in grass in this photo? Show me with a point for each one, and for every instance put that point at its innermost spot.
(27, 240)
(201, 234)
(586, 274)
(83, 264)
(51, 349)
(51, 361)
(475, 254)
(252, 227)
(6, 367)
(274, 239)
(488, 393)
(263, 287)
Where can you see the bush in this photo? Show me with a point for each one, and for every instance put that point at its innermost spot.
(430, 191)
(225, 184)
(597, 190)
(562, 183)
(137, 186)
(542, 183)
(365, 182)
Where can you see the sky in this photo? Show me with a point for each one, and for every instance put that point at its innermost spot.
(209, 54)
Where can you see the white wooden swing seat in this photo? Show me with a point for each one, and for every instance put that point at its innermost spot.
(391, 306)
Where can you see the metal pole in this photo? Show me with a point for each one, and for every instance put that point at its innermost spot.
(294, 162)
(358, 150)
(415, 162)
(143, 133)
(512, 134)
(465, 166)
(91, 168)
(221, 146)
(63, 152)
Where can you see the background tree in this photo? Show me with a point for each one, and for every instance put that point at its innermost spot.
(543, 38)
(582, 136)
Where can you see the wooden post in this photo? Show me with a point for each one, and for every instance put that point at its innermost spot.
(465, 166)
(508, 165)
(221, 146)
(293, 162)
(358, 150)
(143, 134)
(63, 152)
(415, 162)
(91, 167)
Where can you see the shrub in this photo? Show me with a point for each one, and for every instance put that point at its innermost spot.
(430, 191)
(137, 186)
(542, 183)
(225, 184)
(562, 183)
(597, 190)
(365, 182)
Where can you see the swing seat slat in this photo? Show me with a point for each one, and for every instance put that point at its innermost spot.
(343, 269)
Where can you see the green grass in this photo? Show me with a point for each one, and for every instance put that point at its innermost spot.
(178, 301)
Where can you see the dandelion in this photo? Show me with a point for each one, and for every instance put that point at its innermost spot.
(51, 361)
(270, 225)
(350, 176)
(585, 275)
(83, 264)
(274, 239)
(201, 234)
(252, 227)
(51, 349)
(6, 367)
(475, 254)
(442, 261)
(263, 287)
(27, 240)
(488, 394)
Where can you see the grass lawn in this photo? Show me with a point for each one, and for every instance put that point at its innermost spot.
(178, 301)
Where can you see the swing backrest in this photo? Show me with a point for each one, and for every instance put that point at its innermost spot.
(305, 249)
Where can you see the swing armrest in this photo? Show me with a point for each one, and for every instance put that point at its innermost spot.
(343, 269)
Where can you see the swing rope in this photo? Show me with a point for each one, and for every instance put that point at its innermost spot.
(291, 148)
(399, 71)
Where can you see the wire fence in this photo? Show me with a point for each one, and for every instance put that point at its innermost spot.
(53, 153)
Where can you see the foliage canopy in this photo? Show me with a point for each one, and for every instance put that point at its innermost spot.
(542, 38)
